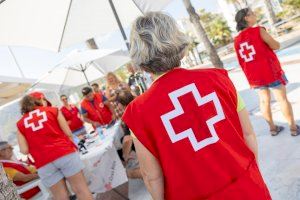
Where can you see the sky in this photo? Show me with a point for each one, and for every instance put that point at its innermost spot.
(35, 62)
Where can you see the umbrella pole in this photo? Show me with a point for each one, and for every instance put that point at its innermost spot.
(119, 23)
(16, 61)
(83, 71)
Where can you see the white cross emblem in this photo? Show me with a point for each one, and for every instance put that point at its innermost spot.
(249, 55)
(189, 133)
(41, 117)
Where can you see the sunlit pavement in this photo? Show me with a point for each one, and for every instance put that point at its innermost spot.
(279, 157)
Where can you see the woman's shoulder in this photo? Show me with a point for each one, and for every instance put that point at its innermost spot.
(211, 70)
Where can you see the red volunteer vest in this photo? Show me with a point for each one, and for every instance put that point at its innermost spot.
(97, 111)
(258, 61)
(72, 116)
(46, 141)
(188, 121)
(21, 168)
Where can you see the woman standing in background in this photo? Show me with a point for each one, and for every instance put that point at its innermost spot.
(255, 51)
(113, 87)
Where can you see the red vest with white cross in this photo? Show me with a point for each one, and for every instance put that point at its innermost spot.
(46, 140)
(258, 61)
(188, 121)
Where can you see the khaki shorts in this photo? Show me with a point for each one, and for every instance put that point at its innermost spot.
(60, 168)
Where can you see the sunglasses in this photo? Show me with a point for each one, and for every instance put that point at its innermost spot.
(7, 148)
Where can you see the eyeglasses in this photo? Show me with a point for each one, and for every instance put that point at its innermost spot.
(7, 148)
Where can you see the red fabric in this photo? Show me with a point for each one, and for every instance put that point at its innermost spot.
(49, 142)
(97, 111)
(265, 67)
(72, 116)
(189, 173)
(39, 95)
(21, 168)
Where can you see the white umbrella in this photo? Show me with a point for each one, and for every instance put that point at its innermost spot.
(55, 24)
(80, 68)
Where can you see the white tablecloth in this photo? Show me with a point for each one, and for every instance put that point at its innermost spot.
(103, 167)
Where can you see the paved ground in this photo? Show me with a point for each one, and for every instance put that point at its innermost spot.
(279, 157)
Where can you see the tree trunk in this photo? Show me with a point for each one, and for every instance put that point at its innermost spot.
(202, 36)
(271, 14)
(194, 56)
(246, 4)
(91, 44)
(237, 6)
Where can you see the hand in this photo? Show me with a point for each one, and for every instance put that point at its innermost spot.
(96, 124)
(127, 157)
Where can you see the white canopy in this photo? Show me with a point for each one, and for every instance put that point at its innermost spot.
(55, 24)
(80, 68)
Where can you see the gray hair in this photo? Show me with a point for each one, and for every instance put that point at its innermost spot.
(156, 43)
(3, 145)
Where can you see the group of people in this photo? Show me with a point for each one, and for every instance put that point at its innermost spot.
(191, 131)
(50, 136)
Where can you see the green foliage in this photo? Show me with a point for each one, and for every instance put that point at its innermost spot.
(122, 73)
(292, 3)
(290, 8)
(216, 28)
(259, 12)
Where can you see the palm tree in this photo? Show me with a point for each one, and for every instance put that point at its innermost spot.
(91, 43)
(271, 14)
(201, 34)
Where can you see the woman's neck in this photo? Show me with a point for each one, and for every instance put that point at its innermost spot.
(157, 76)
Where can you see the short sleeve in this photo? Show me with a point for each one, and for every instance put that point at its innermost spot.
(240, 103)
(83, 111)
(104, 98)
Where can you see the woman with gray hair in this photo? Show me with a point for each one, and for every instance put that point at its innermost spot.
(191, 130)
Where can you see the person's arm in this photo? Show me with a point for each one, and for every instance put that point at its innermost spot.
(109, 105)
(151, 171)
(267, 38)
(248, 132)
(19, 176)
(22, 143)
(64, 125)
(127, 144)
(125, 86)
(108, 95)
(87, 120)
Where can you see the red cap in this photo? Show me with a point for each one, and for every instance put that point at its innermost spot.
(39, 96)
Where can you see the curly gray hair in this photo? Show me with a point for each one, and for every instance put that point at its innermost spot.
(156, 43)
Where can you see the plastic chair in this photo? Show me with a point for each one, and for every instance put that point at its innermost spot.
(42, 195)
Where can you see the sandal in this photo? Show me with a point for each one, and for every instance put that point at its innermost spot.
(277, 130)
(295, 132)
